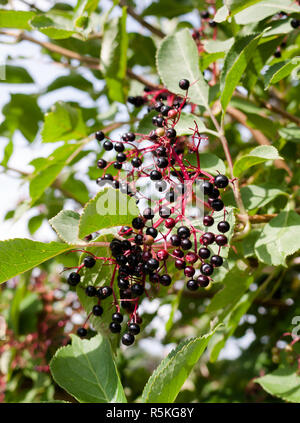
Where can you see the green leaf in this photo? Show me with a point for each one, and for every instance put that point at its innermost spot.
(66, 225)
(35, 223)
(186, 125)
(76, 189)
(233, 7)
(8, 150)
(236, 284)
(30, 254)
(279, 238)
(16, 75)
(263, 9)
(15, 19)
(217, 46)
(107, 209)
(49, 169)
(290, 132)
(235, 64)
(74, 80)
(54, 27)
(258, 155)
(256, 196)
(169, 8)
(283, 383)
(142, 50)
(280, 70)
(63, 123)
(177, 58)
(113, 57)
(165, 383)
(208, 162)
(87, 371)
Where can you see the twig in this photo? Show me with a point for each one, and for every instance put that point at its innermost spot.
(142, 21)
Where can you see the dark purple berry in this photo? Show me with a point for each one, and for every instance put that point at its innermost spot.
(73, 279)
(137, 223)
(115, 327)
(203, 281)
(90, 291)
(134, 329)
(223, 226)
(136, 162)
(221, 181)
(208, 221)
(97, 310)
(175, 240)
(127, 339)
(207, 269)
(152, 232)
(204, 253)
(189, 271)
(82, 332)
(183, 232)
(117, 317)
(155, 175)
(89, 262)
(221, 240)
(108, 145)
(99, 136)
(216, 261)
(137, 290)
(217, 205)
(171, 133)
(102, 163)
(184, 84)
(148, 213)
(119, 147)
(186, 244)
(165, 280)
(192, 285)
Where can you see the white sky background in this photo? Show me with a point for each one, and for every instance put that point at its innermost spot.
(10, 189)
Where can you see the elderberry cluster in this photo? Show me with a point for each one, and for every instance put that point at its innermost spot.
(162, 235)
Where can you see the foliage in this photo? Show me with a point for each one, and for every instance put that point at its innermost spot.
(243, 66)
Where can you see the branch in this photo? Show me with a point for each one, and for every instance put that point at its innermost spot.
(139, 19)
(257, 135)
(281, 112)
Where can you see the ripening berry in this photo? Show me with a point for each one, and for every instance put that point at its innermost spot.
(192, 285)
(90, 291)
(148, 213)
(162, 255)
(191, 257)
(171, 133)
(115, 327)
(178, 253)
(207, 269)
(99, 136)
(221, 181)
(97, 310)
(170, 223)
(204, 253)
(165, 280)
(108, 145)
(223, 226)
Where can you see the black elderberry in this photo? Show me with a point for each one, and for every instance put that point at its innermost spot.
(130, 136)
(119, 147)
(159, 121)
(162, 162)
(139, 239)
(115, 327)
(73, 279)
(137, 223)
(102, 163)
(212, 23)
(108, 145)
(208, 238)
(215, 193)
(123, 283)
(295, 23)
(121, 260)
(165, 110)
(108, 177)
(152, 232)
(171, 133)
(216, 261)
(186, 244)
(221, 181)
(97, 310)
(117, 165)
(221, 240)
(99, 136)
(89, 262)
(137, 290)
(217, 204)
(183, 232)
(223, 226)
(184, 84)
(153, 264)
(126, 245)
(208, 221)
(161, 186)
(82, 332)
(203, 281)
(154, 277)
(175, 240)
(147, 255)
(136, 162)
(117, 317)
(165, 280)
(127, 339)
(164, 212)
(204, 253)
(207, 187)
(155, 175)
(126, 231)
(192, 285)
(180, 264)
(161, 151)
(134, 329)
(121, 157)
(205, 14)
(178, 253)
(106, 291)
(207, 269)
(158, 105)
(148, 213)
(277, 53)
(90, 291)
(189, 271)
(115, 184)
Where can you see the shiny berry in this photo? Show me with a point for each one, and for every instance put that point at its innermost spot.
(153, 264)
(189, 271)
(295, 23)
(207, 269)
(148, 213)
(73, 279)
(89, 262)
(221, 181)
(192, 285)
(117, 165)
(217, 205)
(123, 283)
(221, 240)
(183, 232)
(208, 221)
(130, 136)
(162, 255)
(203, 281)
(90, 291)
(223, 226)
(162, 162)
(164, 212)
(208, 238)
(180, 264)
(170, 223)
(216, 261)
(82, 332)
(184, 84)
(119, 147)
(207, 187)
(175, 240)
(186, 244)
(117, 317)
(137, 223)
(108, 145)
(134, 329)
(121, 157)
(139, 239)
(99, 136)
(136, 162)
(137, 290)
(155, 175)
(165, 280)
(204, 253)
(97, 310)
(102, 163)
(178, 253)
(152, 232)
(171, 133)
(127, 339)
(115, 327)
